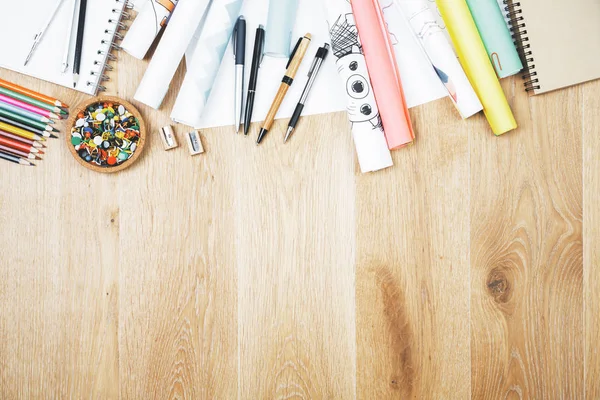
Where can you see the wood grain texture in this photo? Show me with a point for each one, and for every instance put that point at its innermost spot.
(412, 295)
(468, 270)
(526, 253)
(591, 235)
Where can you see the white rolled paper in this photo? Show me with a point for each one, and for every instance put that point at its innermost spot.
(367, 131)
(208, 54)
(146, 27)
(438, 49)
(157, 79)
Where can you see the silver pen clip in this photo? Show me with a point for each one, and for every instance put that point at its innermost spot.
(262, 44)
(234, 38)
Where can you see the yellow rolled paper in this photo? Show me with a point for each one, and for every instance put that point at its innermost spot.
(477, 65)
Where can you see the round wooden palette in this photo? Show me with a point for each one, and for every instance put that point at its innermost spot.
(119, 164)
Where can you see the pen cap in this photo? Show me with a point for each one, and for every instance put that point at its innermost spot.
(280, 23)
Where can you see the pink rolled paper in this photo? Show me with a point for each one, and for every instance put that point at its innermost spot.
(384, 72)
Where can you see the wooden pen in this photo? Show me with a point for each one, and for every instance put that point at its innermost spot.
(292, 69)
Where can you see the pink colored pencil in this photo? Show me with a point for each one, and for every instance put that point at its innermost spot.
(28, 107)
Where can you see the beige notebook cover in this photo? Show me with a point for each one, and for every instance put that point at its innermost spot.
(560, 41)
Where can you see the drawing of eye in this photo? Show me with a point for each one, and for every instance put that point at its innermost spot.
(353, 66)
(366, 109)
(357, 87)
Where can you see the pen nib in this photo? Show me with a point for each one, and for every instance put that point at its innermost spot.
(261, 135)
(288, 134)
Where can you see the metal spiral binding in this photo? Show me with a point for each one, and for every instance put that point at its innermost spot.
(109, 44)
(519, 34)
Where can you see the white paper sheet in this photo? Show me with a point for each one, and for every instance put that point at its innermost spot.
(146, 27)
(157, 80)
(328, 94)
(210, 50)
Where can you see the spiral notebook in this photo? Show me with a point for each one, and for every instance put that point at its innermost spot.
(23, 20)
(559, 41)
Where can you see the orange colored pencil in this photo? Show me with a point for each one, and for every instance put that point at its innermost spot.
(31, 93)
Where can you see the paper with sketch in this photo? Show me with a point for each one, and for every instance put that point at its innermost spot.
(439, 51)
(326, 97)
(367, 130)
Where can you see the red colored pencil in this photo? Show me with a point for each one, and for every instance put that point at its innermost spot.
(17, 145)
(19, 153)
(33, 143)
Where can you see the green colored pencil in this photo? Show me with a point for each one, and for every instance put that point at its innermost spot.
(27, 99)
(24, 120)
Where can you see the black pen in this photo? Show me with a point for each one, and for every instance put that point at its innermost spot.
(259, 45)
(312, 76)
(79, 41)
(239, 52)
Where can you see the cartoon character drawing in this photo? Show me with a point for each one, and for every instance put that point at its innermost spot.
(346, 47)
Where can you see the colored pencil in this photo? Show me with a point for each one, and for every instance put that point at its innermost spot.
(39, 132)
(16, 160)
(31, 93)
(17, 145)
(48, 107)
(35, 143)
(28, 107)
(19, 153)
(25, 123)
(18, 131)
(24, 113)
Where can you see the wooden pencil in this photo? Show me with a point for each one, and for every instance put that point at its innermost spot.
(15, 159)
(19, 153)
(16, 95)
(28, 107)
(26, 113)
(15, 144)
(35, 143)
(18, 131)
(37, 131)
(31, 93)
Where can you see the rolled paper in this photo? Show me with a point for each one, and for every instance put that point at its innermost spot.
(438, 49)
(157, 79)
(280, 24)
(204, 66)
(496, 37)
(477, 65)
(146, 27)
(383, 69)
(367, 131)
(419, 80)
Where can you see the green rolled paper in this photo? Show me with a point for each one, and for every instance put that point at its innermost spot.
(496, 36)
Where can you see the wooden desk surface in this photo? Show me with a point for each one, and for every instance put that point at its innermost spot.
(469, 269)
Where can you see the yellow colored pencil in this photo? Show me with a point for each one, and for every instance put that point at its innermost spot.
(18, 131)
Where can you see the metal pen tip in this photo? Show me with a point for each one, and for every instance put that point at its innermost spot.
(288, 134)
